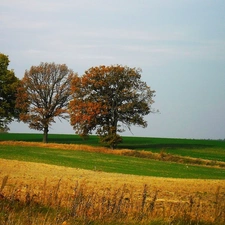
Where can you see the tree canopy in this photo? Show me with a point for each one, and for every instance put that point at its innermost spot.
(44, 94)
(108, 99)
(8, 86)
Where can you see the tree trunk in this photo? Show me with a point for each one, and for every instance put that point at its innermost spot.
(45, 135)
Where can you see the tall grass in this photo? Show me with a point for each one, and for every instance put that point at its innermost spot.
(21, 204)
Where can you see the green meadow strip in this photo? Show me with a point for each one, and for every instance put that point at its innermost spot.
(109, 163)
(204, 149)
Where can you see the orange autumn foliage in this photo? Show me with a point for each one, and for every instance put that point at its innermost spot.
(107, 97)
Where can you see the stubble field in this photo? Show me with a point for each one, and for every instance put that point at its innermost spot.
(195, 198)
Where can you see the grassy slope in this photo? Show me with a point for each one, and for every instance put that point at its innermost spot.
(108, 162)
(205, 149)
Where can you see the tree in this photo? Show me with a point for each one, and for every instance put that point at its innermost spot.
(107, 97)
(8, 86)
(44, 94)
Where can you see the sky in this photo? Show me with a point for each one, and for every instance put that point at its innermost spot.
(178, 44)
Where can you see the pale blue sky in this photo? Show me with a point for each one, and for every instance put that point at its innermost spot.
(179, 44)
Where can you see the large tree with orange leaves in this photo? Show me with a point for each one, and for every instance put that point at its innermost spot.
(44, 94)
(108, 99)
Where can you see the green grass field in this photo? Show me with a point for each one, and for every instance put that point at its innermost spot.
(207, 149)
(109, 163)
(83, 204)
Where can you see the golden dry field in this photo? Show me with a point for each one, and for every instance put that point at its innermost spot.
(167, 198)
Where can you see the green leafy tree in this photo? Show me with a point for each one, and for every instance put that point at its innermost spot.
(108, 99)
(8, 86)
(44, 94)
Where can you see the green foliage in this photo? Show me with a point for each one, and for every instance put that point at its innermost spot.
(8, 86)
